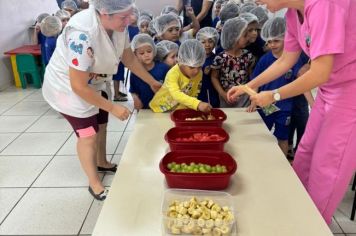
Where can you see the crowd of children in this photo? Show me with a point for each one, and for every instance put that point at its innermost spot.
(198, 65)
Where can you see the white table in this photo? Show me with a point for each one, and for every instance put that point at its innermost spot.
(269, 199)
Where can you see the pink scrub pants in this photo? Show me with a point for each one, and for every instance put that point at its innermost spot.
(326, 157)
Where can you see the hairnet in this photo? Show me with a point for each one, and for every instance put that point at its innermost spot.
(169, 9)
(164, 22)
(208, 33)
(232, 32)
(230, 10)
(141, 40)
(146, 13)
(247, 7)
(69, 4)
(165, 47)
(274, 28)
(41, 16)
(249, 17)
(62, 14)
(142, 19)
(51, 26)
(112, 6)
(151, 28)
(191, 53)
(261, 13)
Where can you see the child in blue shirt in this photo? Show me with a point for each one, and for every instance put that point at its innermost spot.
(145, 50)
(273, 33)
(209, 37)
(167, 52)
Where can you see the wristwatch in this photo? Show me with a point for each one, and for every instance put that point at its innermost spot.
(276, 95)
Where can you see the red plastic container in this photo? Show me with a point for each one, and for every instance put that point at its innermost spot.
(179, 116)
(206, 181)
(186, 132)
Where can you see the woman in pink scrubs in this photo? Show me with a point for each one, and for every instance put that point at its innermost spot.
(326, 157)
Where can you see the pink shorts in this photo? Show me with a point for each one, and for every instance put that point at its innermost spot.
(89, 126)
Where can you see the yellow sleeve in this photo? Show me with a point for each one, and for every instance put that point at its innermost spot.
(176, 82)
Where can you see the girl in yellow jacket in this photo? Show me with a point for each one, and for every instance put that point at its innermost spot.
(182, 84)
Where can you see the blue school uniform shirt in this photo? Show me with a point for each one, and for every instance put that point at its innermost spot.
(207, 84)
(215, 21)
(264, 62)
(256, 48)
(49, 46)
(142, 89)
(41, 40)
(133, 30)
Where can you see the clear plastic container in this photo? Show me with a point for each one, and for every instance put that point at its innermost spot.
(223, 199)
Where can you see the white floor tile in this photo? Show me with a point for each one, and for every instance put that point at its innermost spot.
(92, 217)
(54, 123)
(123, 143)
(51, 112)
(21, 171)
(28, 109)
(35, 97)
(36, 144)
(344, 221)
(115, 124)
(9, 197)
(16, 123)
(69, 147)
(5, 139)
(130, 125)
(15, 94)
(47, 211)
(5, 106)
(63, 171)
(334, 227)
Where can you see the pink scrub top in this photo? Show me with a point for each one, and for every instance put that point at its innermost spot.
(329, 27)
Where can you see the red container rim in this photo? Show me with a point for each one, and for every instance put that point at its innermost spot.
(220, 112)
(197, 129)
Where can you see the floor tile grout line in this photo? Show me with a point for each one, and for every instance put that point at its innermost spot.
(85, 218)
(34, 180)
(18, 101)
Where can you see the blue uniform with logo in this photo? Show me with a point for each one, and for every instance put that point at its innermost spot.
(207, 86)
(281, 119)
(142, 89)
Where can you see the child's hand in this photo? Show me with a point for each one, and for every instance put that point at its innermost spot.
(251, 107)
(204, 107)
(120, 112)
(189, 11)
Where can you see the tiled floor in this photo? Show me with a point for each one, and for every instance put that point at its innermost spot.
(43, 190)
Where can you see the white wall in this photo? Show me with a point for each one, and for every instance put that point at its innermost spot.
(16, 16)
(153, 5)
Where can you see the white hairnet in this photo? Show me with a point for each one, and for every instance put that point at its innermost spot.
(135, 12)
(164, 22)
(62, 14)
(151, 28)
(249, 17)
(69, 4)
(146, 13)
(191, 53)
(165, 47)
(247, 7)
(208, 33)
(261, 13)
(232, 32)
(274, 28)
(51, 26)
(143, 19)
(169, 9)
(230, 10)
(112, 6)
(41, 16)
(141, 40)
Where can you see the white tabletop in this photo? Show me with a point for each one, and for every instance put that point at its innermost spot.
(268, 196)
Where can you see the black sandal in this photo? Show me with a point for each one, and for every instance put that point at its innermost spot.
(101, 196)
(104, 169)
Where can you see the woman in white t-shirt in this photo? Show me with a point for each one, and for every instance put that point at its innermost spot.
(87, 55)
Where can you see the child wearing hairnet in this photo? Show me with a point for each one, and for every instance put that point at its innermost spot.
(70, 6)
(143, 23)
(256, 44)
(273, 33)
(145, 50)
(167, 52)
(233, 66)
(182, 84)
(51, 27)
(209, 37)
(169, 27)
